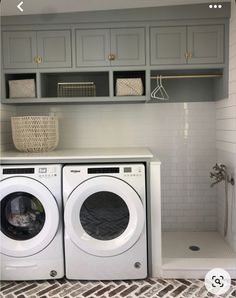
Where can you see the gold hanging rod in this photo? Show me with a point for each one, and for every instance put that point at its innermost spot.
(187, 76)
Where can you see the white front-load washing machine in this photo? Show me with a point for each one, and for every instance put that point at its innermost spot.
(31, 224)
(105, 221)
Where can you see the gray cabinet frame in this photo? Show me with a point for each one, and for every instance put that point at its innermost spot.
(182, 16)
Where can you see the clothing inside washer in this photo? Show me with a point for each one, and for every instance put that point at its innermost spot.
(22, 216)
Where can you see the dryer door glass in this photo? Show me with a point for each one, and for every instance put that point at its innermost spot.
(22, 216)
(104, 215)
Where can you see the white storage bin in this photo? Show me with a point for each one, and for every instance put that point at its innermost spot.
(129, 87)
(22, 88)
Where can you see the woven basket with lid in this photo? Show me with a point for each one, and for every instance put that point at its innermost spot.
(35, 133)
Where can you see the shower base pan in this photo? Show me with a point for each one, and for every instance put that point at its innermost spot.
(208, 250)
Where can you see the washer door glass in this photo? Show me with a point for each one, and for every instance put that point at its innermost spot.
(104, 216)
(29, 216)
(22, 216)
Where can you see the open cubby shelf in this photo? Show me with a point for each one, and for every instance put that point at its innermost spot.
(18, 76)
(193, 89)
(190, 86)
(129, 75)
(49, 82)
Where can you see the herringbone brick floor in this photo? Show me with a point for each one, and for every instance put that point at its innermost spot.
(148, 288)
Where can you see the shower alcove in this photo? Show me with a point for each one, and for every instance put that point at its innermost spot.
(178, 261)
(191, 254)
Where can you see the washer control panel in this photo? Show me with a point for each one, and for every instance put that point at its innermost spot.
(47, 172)
(36, 171)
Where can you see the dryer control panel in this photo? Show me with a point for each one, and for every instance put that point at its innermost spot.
(130, 171)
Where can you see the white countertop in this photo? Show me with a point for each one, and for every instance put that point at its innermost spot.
(78, 154)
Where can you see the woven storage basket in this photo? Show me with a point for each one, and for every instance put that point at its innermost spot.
(35, 133)
(129, 87)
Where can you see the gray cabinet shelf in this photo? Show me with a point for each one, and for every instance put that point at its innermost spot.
(82, 100)
(50, 81)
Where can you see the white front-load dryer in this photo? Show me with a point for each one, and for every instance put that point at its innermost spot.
(105, 221)
(31, 224)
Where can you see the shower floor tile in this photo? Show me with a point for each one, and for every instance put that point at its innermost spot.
(178, 261)
(211, 244)
(148, 288)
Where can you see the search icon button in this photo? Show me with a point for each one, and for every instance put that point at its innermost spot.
(217, 281)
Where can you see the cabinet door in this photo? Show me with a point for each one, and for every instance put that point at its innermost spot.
(92, 47)
(19, 49)
(168, 45)
(128, 46)
(54, 47)
(206, 44)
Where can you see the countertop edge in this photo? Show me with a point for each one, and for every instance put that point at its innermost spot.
(80, 156)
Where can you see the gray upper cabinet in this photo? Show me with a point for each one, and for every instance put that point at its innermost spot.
(206, 44)
(32, 49)
(92, 47)
(19, 49)
(128, 46)
(187, 45)
(110, 47)
(168, 45)
(54, 48)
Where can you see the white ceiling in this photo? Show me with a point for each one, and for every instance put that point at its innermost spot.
(9, 7)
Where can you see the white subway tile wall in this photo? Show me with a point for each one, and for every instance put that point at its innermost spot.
(226, 137)
(182, 135)
(6, 111)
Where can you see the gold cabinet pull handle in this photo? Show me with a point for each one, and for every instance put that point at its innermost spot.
(188, 55)
(38, 60)
(111, 57)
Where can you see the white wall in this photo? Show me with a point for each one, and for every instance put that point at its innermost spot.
(6, 111)
(181, 135)
(226, 136)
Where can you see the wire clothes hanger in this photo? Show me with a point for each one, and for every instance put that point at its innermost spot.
(156, 89)
(159, 92)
